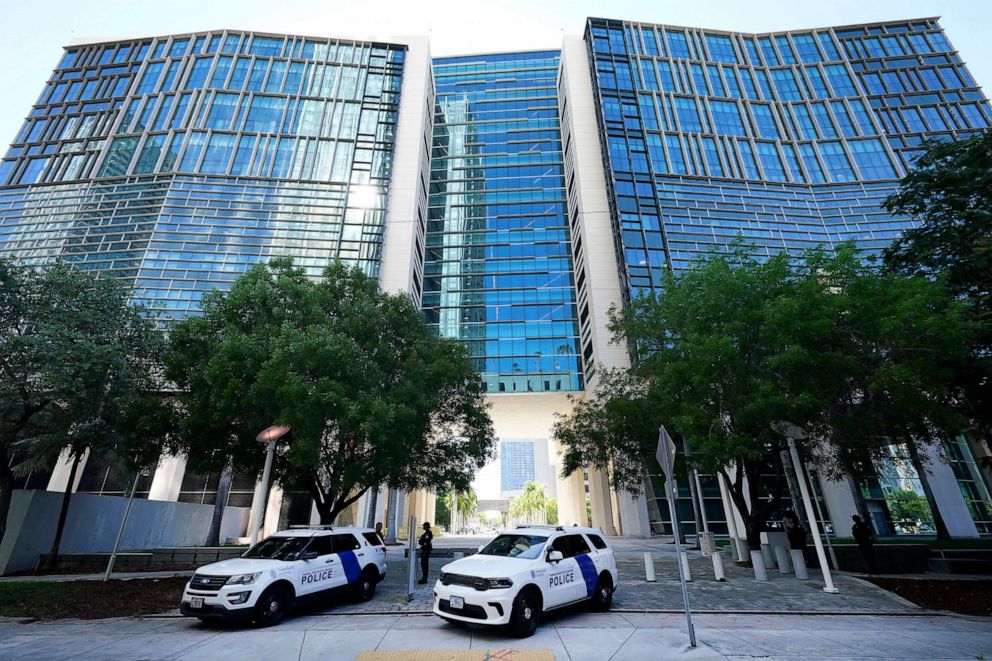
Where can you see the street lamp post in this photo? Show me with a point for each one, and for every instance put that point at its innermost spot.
(270, 436)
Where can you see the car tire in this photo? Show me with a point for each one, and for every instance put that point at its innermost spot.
(602, 596)
(272, 606)
(365, 588)
(526, 613)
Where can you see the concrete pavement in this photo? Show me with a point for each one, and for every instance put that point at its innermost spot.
(575, 636)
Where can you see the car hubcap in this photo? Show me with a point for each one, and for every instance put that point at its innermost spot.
(273, 606)
(527, 613)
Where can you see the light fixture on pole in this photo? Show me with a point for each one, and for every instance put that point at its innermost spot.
(793, 433)
(270, 436)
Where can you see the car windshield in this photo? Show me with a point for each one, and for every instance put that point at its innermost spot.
(277, 548)
(526, 547)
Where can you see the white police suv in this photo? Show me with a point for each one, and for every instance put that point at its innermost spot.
(527, 571)
(291, 566)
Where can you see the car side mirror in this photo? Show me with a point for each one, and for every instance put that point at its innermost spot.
(555, 556)
(307, 555)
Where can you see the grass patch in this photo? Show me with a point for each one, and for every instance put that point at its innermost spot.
(87, 600)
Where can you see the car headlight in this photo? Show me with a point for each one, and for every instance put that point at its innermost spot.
(498, 583)
(244, 579)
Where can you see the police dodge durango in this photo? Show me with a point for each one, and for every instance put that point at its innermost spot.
(525, 572)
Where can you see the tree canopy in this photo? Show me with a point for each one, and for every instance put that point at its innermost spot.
(372, 395)
(78, 373)
(858, 358)
(949, 195)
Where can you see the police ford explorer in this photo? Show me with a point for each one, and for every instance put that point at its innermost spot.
(527, 571)
(288, 567)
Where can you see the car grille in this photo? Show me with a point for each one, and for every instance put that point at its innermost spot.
(470, 610)
(462, 579)
(207, 583)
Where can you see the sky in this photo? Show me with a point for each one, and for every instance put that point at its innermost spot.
(33, 33)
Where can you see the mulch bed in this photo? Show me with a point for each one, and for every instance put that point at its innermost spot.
(90, 600)
(958, 596)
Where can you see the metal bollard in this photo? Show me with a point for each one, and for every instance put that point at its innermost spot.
(758, 562)
(799, 563)
(782, 559)
(685, 566)
(718, 566)
(649, 567)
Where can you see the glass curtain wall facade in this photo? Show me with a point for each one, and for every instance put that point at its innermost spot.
(785, 140)
(498, 266)
(179, 162)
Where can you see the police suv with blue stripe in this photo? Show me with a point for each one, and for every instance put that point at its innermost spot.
(522, 573)
(299, 564)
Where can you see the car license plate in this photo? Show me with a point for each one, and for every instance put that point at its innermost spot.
(196, 602)
(457, 602)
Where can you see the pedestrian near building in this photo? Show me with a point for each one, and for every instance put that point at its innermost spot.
(426, 543)
(865, 537)
(378, 532)
(795, 531)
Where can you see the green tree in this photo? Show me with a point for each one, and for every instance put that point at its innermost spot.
(949, 193)
(907, 505)
(77, 374)
(551, 512)
(372, 395)
(533, 501)
(461, 504)
(857, 358)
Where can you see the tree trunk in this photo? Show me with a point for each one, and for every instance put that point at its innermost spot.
(6, 492)
(373, 503)
(793, 482)
(391, 516)
(53, 554)
(220, 504)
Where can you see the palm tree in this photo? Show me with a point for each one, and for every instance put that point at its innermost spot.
(531, 505)
(464, 503)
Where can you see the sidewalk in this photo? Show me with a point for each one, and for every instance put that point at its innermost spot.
(573, 636)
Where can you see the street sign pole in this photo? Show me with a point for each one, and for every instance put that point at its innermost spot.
(411, 558)
(666, 457)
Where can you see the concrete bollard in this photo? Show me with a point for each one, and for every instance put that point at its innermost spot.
(758, 562)
(458, 555)
(718, 566)
(685, 566)
(782, 558)
(649, 567)
(799, 562)
(742, 550)
(768, 555)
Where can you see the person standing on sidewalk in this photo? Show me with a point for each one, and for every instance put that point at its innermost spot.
(865, 537)
(426, 543)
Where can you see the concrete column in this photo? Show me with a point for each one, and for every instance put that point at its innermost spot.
(571, 500)
(168, 478)
(602, 507)
(273, 508)
(947, 493)
(634, 520)
(60, 474)
(841, 506)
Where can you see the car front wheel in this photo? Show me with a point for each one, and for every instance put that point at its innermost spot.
(272, 606)
(365, 588)
(526, 614)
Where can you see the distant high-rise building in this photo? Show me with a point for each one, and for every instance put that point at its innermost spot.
(516, 197)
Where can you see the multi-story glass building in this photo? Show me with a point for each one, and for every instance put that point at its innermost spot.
(516, 197)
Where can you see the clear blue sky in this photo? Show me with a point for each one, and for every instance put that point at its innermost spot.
(32, 33)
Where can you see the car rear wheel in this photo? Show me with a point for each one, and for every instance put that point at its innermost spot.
(526, 614)
(602, 598)
(272, 606)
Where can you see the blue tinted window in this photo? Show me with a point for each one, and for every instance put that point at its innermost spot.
(748, 81)
(806, 47)
(752, 51)
(829, 47)
(836, 161)
(712, 157)
(218, 154)
(822, 115)
(657, 153)
(118, 157)
(840, 80)
(733, 88)
(721, 48)
(812, 164)
(675, 156)
(785, 84)
(149, 154)
(807, 130)
(222, 111)
(770, 161)
(149, 78)
(765, 121)
(223, 67)
(727, 118)
(843, 119)
(688, 114)
(747, 160)
(771, 59)
(793, 162)
(871, 159)
(819, 86)
(716, 83)
(193, 148)
(785, 49)
(677, 44)
(198, 75)
(862, 117)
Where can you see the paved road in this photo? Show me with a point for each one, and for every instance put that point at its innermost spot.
(571, 637)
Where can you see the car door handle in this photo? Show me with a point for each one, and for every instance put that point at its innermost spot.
(327, 562)
(360, 554)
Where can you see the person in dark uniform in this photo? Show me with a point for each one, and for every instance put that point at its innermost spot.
(795, 531)
(426, 546)
(865, 537)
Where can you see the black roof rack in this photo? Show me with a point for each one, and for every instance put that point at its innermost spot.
(314, 527)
